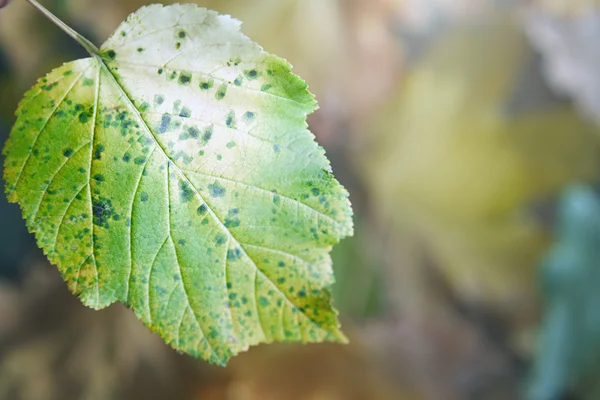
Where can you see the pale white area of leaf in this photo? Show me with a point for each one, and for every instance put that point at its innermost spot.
(210, 40)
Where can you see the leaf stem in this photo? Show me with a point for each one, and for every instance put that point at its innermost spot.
(86, 44)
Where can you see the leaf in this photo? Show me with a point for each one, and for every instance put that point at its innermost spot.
(174, 172)
(459, 164)
(569, 349)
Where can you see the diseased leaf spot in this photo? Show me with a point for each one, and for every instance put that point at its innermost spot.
(232, 222)
(238, 81)
(103, 211)
(88, 82)
(49, 87)
(265, 87)
(127, 157)
(193, 132)
(234, 254)
(85, 116)
(185, 192)
(207, 134)
(251, 74)
(99, 178)
(249, 116)
(164, 124)
(111, 54)
(230, 145)
(144, 197)
(144, 107)
(263, 301)
(207, 84)
(185, 112)
(220, 239)
(230, 120)
(139, 160)
(159, 99)
(98, 152)
(182, 34)
(185, 78)
(181, 242)
(202, 209)
(178, 45)
(160, 71)
(68, 152)
(221, 92)
(216, 190)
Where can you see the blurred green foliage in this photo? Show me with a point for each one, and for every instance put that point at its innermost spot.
(568, 355)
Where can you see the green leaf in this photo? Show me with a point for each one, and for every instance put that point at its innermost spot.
(173, 171)
(569, 342)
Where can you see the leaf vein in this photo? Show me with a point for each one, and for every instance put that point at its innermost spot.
(135, 192)
(93, 134)
(185, 290)
(258, 188)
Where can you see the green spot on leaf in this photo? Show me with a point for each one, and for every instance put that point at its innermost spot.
(221, 92)
(251, 74)
(216, 190)
(185, 78)
(186, 192)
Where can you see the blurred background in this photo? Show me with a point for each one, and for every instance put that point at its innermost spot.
(467, 132)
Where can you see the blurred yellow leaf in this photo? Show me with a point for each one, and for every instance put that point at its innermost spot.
(461, 158)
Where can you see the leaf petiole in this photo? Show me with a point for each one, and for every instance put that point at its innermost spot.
(86, 44)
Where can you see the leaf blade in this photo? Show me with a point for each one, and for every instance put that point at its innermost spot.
(211, 209)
